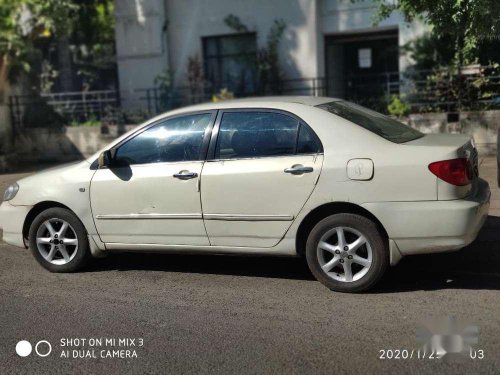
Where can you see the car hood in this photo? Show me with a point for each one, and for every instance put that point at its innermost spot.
(51, 172)
(54, 184)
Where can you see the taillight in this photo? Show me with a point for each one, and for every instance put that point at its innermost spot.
(457, 172)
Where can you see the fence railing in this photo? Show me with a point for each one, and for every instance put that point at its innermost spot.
(475, 88)
(61, 108)
(423, 90)
(156, 100)
(83, 104)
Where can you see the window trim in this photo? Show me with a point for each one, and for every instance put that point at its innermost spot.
(215, 133)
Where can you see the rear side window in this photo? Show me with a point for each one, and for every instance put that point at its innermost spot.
(255, 134)
(306, 141)
(377, 123)
(172, 140)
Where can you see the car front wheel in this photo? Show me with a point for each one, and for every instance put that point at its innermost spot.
(58, 241)
(347, 253)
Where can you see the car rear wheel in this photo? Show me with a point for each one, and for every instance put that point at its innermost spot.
(58, 241)
(347, 253)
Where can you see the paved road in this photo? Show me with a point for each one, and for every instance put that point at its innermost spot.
(222, 314)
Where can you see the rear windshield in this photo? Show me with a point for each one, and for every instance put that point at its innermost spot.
(382, 125)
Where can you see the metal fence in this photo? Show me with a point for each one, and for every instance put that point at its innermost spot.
(55, 109)
(436, 90)
(155, 100)
(421, 90)
(475, 88)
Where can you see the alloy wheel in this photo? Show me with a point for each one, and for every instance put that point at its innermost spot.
(344, 254)
(56, 241)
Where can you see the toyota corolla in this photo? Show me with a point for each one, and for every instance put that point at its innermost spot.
(351, 190)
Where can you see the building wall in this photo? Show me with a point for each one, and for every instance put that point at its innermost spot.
(141, 47)
(190, 20)
(343, 16)
(155, 35)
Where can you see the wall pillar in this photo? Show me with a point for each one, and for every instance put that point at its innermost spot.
(141, 46)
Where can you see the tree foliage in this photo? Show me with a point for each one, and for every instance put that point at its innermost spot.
(464, 22)
(27, 25)
(23, 22)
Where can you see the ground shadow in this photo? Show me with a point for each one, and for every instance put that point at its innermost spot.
(475, 267)
(250, 266)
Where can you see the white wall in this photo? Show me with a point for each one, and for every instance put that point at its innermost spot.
(190, 20)
(140, 45)
(145, 50)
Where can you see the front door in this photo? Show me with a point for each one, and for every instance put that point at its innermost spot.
(150, 194)
(264, 167)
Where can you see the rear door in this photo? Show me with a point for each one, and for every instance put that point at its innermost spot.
(263, 166)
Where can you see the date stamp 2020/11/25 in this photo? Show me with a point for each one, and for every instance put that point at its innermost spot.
(422, 353)
(438, 338)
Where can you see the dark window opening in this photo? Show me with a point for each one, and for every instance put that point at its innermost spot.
(363, 68)
(230, 62)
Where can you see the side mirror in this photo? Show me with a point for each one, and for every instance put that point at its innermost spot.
(105, 159)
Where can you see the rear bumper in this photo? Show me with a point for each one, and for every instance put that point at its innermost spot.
(434, 226)
(12, 221)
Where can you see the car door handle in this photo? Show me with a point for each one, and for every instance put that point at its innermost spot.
(185, 175)
(298, 169)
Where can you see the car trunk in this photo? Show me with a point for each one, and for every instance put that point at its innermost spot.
(438, 147)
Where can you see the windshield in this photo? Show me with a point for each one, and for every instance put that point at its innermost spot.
(382, 125)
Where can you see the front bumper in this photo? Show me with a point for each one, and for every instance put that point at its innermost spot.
(12, 220)
(434, 226)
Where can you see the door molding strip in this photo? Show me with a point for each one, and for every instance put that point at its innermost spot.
(149, 216)
(236, 217)
(222, 217)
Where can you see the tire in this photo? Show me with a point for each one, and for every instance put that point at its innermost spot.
(73, 240)
(364, 252)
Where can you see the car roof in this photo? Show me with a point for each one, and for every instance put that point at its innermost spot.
(256, 102)
(306, 100)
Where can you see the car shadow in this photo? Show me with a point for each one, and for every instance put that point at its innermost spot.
(235, 265)
(475, 267)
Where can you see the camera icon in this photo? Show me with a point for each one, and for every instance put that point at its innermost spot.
(42, 348)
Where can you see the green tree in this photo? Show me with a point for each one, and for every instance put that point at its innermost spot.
(463, 25)
(22, 23)
(463, 22)
(93, 43)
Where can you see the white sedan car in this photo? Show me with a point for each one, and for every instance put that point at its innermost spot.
(348, 188)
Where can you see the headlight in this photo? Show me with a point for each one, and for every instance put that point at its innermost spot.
(11, 192)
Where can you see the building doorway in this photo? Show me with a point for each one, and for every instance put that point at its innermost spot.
(363, 67)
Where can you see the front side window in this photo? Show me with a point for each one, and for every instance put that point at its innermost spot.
(261, 134)
(172, 140)
(377, 123)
